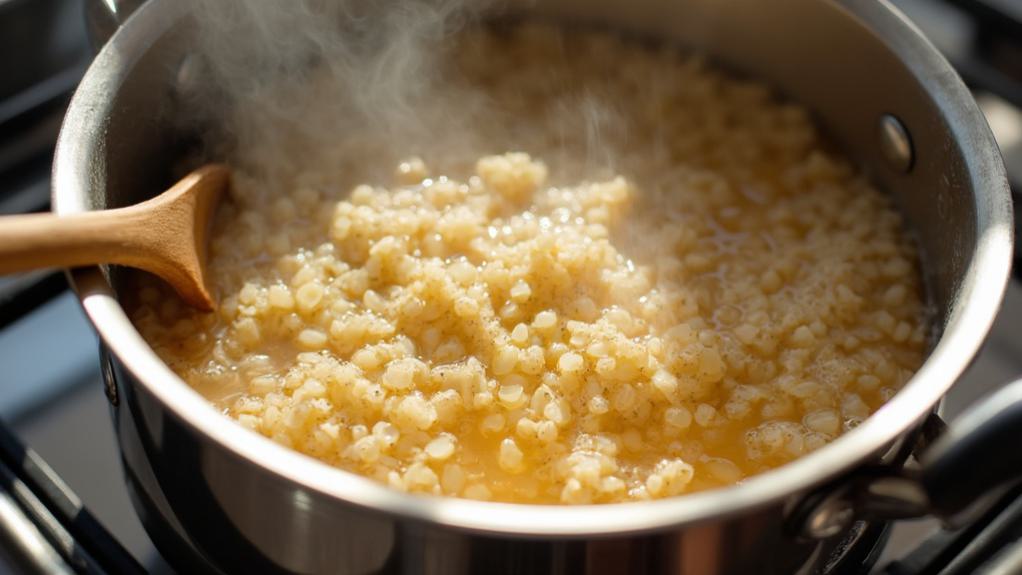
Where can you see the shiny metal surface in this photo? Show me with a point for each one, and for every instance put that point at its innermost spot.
(896, 143)
(831, 516)
(24, 544)
(897, 497)
(247, 504)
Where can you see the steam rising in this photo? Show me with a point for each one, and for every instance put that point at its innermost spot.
(286, 73)
(289, 84)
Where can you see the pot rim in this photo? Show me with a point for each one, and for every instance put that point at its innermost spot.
(78, 168)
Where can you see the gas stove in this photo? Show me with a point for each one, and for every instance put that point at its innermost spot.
(63, 504)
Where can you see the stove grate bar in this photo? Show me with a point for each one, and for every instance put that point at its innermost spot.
(55, 511)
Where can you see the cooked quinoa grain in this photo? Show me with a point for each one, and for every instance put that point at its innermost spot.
(701, 291)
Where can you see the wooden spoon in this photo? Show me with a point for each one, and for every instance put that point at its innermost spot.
(166, 235)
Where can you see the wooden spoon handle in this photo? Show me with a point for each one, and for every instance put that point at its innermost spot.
(46, 240)
(165, 235)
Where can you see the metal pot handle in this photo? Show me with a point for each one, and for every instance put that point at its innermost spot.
(103, 17)
(979, 454)
(981, 451)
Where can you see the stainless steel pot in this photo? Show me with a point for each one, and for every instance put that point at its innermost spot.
(212, 493)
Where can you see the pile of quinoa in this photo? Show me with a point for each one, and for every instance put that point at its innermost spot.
(533, 324)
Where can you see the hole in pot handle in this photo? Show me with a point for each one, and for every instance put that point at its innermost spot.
(980, 452)
(103, 17)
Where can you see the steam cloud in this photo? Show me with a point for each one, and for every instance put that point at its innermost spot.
(269, 66)
(289, 84)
